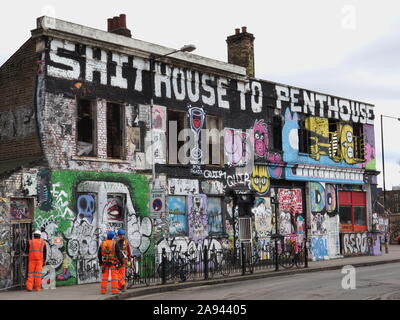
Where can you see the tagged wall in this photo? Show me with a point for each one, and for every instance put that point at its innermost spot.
(356, 243)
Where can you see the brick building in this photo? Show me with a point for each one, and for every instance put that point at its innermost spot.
(100, 130)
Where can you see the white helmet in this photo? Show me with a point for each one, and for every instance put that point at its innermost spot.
(37, 232)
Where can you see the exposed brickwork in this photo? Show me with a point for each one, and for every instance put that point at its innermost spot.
(17, 112)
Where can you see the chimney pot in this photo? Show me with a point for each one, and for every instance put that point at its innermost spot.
(244, 29)
(122, 20)
(116, 23)
(237, 30)
(110, 24)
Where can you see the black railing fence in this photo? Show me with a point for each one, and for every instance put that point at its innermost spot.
(170, 267)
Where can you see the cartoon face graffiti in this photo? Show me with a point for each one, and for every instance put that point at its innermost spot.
(260, 180)
(348, 144)
(260, 138)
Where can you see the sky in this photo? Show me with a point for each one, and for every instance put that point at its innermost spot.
(345, 48)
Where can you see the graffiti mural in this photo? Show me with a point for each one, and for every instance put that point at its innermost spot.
(5, 256)
(326, 149)
(197, 217)
(177, 215)
(319, 248)
(196, 121)
(44, 190)
(261, 139)
(214, 212)
(260, 180)
(82, 211)
(290, 200)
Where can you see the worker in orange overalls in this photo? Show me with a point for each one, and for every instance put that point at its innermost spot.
(125, 249)
(110, 258)
(36, 260)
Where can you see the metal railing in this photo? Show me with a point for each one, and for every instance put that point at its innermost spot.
(171, 267)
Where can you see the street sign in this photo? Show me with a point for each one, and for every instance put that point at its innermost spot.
(157, 203)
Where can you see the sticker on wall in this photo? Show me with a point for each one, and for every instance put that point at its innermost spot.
(29, 184)
(183, 187)
(262, 217)
(144, 114)
(159, 118)
(214, 187)
(19, 209)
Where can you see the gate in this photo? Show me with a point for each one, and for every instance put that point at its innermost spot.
(14, 239)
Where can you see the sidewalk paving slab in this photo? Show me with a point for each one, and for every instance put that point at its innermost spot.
(92, 291)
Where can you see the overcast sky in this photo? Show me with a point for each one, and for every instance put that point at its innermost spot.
(345, 48)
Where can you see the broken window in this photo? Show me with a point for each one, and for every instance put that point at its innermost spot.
(86, 129)
(304, 138)
(214, 140)
(114, 131)
(277, 133)
(334, 136)
(359, 147)
(176, 119)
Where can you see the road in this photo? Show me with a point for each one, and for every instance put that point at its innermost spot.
(373, 282)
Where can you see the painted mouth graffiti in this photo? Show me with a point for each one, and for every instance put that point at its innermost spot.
(114, 213)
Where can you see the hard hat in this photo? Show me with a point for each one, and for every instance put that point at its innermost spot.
(37, 232)
(121, 232)
(110, 235)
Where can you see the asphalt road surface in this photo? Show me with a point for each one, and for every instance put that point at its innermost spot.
(381, 282)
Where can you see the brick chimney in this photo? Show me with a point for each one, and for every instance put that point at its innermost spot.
(241, 50)
(118, 25)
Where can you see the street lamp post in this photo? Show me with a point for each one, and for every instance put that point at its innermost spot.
(383, 166)
(153, 59)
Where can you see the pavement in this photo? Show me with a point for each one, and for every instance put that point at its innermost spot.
(92, 291)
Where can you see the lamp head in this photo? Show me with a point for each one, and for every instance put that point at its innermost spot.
(188, 48)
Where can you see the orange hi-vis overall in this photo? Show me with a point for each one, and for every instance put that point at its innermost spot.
(110, 262)
(122, 269)
(36, 247)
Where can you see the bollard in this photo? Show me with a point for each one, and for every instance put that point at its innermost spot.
(205, 263)
(163, 266)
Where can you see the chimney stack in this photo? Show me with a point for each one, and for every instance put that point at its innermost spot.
(241, 50)
(117, 25)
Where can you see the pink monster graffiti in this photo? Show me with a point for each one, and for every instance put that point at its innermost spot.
(260, 138)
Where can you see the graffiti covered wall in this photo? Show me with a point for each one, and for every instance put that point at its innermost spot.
(84, 206)
(325, 224)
